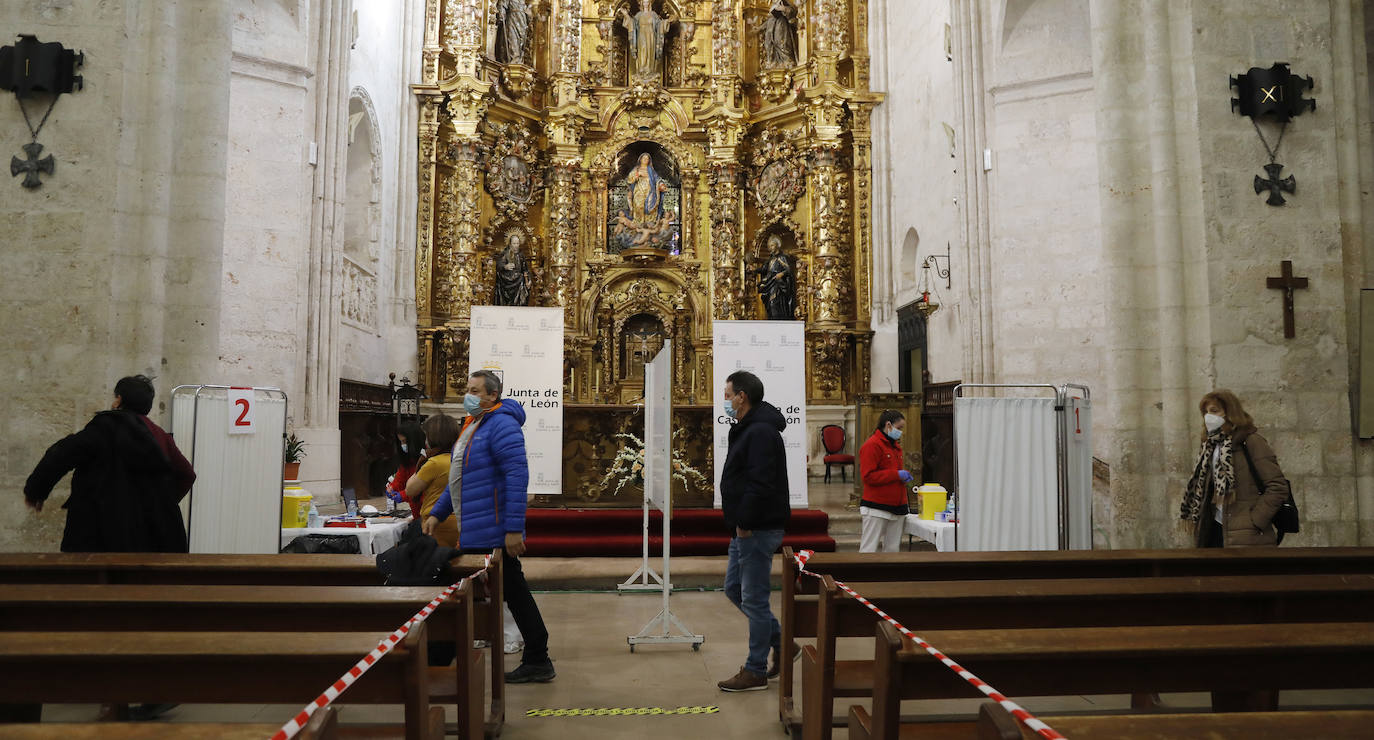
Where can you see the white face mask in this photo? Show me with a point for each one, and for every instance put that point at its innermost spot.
(1213, 422)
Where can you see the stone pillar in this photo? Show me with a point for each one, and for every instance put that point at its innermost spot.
(319, 423)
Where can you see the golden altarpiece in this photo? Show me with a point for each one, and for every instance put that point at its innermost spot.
(641, 163)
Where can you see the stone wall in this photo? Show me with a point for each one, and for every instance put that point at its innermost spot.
(112, 266)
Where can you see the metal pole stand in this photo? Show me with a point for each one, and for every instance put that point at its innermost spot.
(659, 630)
(645, 571)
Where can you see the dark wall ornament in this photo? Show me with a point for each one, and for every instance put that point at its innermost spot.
(30, 69)
(1274, 94)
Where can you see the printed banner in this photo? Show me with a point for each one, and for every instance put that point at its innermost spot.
(524, 347)
(658, 428)
(775, 351)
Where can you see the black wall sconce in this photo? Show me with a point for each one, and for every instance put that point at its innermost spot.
(1275, 94)
(30, 68)
(933, 261)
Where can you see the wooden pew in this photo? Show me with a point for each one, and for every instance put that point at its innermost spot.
(996, 723)
(1098, 660)
(216, 667)
(1072, 602)
(121, 607)
(797, 616)
(284, 569)
(323, 725)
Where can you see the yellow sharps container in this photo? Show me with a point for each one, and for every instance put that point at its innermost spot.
(933, 497)
(295, 507)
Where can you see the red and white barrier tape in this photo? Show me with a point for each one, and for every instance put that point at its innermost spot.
(1015, 709)
(290, 729)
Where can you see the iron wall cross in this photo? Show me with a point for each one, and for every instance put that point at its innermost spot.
(1287, 283)
(1276, 186)
(31, 166)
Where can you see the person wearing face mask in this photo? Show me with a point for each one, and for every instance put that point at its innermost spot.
(490, 477)
(884, 503)
(756, 506)
(410, 454)
(1237, 485)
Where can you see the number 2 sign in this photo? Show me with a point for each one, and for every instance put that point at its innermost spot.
(241, 411)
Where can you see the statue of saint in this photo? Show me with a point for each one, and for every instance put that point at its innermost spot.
(646, 192)
(778, 283)
(515, 31)
(512, 275)
(780, 36)
(647, 30)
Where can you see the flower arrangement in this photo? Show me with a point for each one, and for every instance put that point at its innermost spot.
(627, 467)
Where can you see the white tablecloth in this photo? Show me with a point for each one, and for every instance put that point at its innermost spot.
(941, 534)
(377, 537)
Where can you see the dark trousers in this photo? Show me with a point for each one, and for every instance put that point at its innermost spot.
(1213, 536)
(522, 607)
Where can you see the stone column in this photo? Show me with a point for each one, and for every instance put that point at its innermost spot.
(319, 421)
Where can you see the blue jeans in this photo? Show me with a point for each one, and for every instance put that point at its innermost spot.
(747, 587)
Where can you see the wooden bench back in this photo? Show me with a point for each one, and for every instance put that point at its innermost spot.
(323, 725)
(996, 723)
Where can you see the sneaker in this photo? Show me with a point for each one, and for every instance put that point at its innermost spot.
(775, 665)
(532, 673)
(515, 646)
(745, 680)
(480, 644)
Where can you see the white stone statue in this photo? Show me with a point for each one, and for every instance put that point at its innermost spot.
(647, 31)
(779, 50)
(515, 31)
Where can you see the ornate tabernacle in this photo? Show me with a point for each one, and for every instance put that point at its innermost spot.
(649, 166)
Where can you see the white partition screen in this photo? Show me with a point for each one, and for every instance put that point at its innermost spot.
(1025, 470)
(234, 442)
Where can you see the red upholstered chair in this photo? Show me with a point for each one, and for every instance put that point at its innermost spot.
(833, 439)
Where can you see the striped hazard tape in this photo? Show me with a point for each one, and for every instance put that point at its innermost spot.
(1015, 709)
(291, 728)
(620, 711)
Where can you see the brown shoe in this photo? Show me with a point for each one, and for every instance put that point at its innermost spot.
(775, 665)
(745, 680)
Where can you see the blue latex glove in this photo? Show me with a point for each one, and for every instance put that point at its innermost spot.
(905, 476)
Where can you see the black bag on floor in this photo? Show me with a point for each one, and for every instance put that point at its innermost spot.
(333, 544)
(419, 560)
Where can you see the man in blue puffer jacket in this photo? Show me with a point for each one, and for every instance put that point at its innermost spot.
(491, 475)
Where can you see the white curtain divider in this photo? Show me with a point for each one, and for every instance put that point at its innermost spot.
(1008, 474)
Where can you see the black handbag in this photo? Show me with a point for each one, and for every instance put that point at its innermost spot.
(1286, 518)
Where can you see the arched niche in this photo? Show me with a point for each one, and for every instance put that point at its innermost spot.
(644, 200)
(363, 182)
(910, 247)
(674, 45)
(641, 337)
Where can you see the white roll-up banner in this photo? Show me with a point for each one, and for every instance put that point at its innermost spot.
(524, 347)
(658, 429)
(775, 351)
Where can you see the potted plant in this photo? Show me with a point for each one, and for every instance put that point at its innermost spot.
(292, 455)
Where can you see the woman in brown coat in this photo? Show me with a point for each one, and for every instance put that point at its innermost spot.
(1237, 485)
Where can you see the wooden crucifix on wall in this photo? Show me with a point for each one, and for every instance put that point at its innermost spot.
(1287, 283)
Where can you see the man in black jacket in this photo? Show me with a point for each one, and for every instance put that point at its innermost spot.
(754, 499)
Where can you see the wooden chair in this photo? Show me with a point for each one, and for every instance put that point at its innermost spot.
(833, 440)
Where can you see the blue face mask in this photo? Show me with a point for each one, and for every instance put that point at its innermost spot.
(730, 409)
(405, 447)
(894, 435)
(472, 404)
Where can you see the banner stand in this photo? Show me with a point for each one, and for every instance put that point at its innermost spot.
(666, 628)
(645, 571)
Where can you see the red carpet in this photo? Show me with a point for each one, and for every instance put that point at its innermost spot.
(619, 532)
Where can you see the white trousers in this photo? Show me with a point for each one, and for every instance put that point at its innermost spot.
(879, 534)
